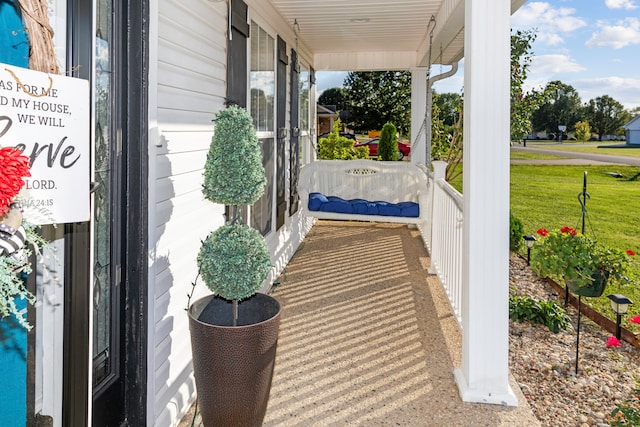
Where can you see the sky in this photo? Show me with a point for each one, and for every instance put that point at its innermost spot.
(592, 45)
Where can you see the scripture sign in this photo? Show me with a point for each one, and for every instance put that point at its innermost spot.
(47, 117)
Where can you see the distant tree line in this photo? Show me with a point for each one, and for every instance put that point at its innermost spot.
(604, 115)
(368, 100)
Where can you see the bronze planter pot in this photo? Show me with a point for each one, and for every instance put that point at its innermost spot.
(233, 365)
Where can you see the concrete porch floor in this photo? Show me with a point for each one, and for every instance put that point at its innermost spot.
(367, 337)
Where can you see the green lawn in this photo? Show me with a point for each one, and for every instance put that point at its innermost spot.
(526, 155)
(546, 196)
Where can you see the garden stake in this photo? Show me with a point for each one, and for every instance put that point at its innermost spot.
(582, 199)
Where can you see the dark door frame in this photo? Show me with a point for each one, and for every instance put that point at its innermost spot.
(130, 109)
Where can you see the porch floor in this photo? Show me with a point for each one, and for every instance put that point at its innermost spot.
(367, 337)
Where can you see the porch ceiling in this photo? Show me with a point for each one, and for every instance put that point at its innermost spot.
(378, 34)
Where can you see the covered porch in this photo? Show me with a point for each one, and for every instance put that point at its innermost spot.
(414, 35)
(368, 336)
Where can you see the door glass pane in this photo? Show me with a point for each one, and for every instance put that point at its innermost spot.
(102, 281)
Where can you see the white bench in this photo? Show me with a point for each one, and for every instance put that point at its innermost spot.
(371, 180)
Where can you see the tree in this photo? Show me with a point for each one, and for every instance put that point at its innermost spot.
(583, 131)
(377, 97)
(446, 106)
(563, 108)
(335, 96)
(388, 144)
(606, 116)
(523, 104)
(445, 112)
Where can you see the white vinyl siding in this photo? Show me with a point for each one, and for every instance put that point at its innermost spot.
(187, 88)
(187, 72)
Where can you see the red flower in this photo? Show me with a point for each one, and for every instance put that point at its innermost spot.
(13, 167)
(568, 230)
(630, 252)
(542, 232)
(613, 342)
(635, 319)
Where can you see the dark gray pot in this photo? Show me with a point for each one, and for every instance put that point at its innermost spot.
(593, 289)
(233, 365)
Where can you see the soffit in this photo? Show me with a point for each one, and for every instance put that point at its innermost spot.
(378, 28)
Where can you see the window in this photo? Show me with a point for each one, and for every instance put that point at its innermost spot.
(262, 88)
(263, 78)
(304, 111)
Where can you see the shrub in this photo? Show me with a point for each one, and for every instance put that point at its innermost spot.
(548, 313)
(336, 147)
(583, 131)
(516, 231)
(388, 144)
(627, 413)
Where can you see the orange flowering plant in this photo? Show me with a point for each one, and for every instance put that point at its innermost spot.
(568, 255)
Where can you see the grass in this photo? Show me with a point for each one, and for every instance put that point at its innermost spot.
(546, 196)
(526, 155)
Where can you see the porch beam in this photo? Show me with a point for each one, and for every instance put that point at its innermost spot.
(419, 127)
(365, 61)
(484, 376)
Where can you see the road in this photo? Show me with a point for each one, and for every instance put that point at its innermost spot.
(575, 158)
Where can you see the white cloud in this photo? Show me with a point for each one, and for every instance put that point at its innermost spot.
(550, 39)
(552, 23)
(621, 4)
(553, 64)
(617, 36)
(624, 90)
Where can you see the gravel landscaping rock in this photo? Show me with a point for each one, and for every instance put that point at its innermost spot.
(543, 363)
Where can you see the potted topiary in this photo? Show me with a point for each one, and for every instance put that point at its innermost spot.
(582, 263)
(234, 332)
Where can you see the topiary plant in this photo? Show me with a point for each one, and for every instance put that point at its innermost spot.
(234, 259)
(233, 172)
(388, 144)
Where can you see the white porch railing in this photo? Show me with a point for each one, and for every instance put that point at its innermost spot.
(442, 234)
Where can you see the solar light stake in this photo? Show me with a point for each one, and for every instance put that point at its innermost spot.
(619, 305)
(529, 241)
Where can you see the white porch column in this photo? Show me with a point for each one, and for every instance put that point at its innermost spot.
(484, 376)
(418, 111)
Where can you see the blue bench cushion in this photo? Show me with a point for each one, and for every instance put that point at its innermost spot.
(320, 202)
